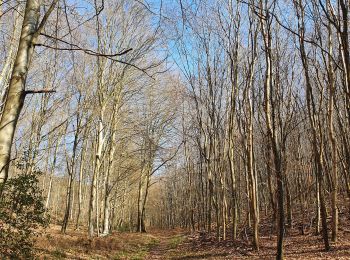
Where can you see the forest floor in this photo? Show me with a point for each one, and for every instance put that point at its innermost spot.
(178, 244)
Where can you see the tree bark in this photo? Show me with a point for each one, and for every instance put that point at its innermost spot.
(16, 91)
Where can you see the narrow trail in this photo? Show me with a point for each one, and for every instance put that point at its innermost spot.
(160, 250)
(167, 242)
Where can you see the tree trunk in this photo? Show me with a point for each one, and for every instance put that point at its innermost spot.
(16, 91)
(80, 194)
(97, 166)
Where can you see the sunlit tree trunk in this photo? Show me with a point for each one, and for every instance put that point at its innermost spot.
(16, 93)
(9, 62)
(16, 90)
(96, 174)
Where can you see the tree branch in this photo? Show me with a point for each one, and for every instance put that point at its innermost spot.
(40, 91)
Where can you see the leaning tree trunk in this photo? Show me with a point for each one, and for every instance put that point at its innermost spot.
(16, 91)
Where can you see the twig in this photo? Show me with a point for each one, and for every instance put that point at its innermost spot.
(40, 91)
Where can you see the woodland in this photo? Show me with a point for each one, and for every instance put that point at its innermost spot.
(174, 129)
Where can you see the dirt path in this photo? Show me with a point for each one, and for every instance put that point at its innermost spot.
(167, 242)
(160, 250)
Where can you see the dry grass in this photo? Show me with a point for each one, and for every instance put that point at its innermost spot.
(77, 245)
(176, 244)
